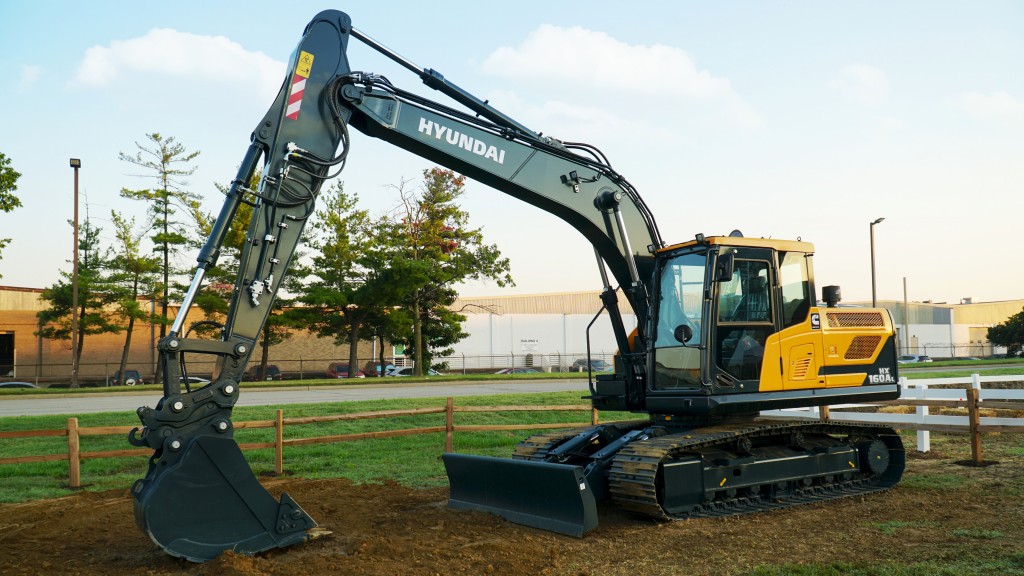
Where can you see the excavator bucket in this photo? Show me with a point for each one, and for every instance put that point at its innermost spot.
(554, 497)
(209, 501)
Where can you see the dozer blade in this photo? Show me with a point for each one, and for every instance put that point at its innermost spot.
(209, 501)
(543, 495)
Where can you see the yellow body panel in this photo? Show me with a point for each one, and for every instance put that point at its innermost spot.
(800, 349)
(844, 337)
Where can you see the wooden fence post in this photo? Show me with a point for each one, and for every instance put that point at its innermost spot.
(74, 464)
(593, 416)
(824, 413)
(449, 424)
(975, 420)
(279, 443)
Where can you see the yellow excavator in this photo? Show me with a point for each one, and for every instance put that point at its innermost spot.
(727, 327)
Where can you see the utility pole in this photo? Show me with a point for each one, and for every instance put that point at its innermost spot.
(906, 320)
(75, 335)
(871, 228)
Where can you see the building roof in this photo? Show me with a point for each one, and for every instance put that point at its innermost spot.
(588, 302)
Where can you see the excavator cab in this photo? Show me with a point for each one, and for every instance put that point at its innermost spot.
(735, 328)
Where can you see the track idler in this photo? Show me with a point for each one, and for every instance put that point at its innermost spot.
(199, 497)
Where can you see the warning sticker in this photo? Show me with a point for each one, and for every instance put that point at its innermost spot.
(305, 64)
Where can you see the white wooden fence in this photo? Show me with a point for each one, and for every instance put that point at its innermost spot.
(922, 394)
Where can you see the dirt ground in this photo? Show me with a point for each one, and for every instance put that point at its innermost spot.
(391, 529)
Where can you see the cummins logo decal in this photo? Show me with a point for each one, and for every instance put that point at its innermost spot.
(456, 138)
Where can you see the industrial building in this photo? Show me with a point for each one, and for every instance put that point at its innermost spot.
(543, 331)
(26, 356)
(554, 326)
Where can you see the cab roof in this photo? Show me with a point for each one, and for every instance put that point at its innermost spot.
(780, 245)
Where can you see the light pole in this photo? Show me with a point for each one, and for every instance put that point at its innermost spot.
(76, 164)
(871, 228)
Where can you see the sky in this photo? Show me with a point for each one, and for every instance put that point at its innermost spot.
(798, 119)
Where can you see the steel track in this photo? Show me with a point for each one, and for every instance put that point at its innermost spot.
(633, 476)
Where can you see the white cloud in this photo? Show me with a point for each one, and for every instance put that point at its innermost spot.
(995, 106)
(887, 127)
(544, 113)
(179, 54)
(863, 84)
(589, 61)
(29, 77)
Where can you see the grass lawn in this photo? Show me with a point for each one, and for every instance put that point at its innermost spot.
(415, 461)
(412, 460)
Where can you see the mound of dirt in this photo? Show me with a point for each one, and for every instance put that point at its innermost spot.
(391, 529)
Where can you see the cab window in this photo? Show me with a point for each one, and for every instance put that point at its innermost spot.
(745, 298)
(795, 281)
(745, 319)
(680, 303)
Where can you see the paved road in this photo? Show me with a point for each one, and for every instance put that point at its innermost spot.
(89, 403)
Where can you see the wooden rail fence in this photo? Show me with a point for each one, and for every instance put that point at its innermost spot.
(969, 398)
(74, 432)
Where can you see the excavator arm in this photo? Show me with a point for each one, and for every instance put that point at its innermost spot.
(199, 496)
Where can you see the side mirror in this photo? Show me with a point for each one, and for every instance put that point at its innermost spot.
(683, 333)
(723, 267)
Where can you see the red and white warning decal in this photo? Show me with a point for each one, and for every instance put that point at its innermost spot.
(302, 70)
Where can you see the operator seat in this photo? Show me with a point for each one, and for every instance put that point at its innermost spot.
(754, 305)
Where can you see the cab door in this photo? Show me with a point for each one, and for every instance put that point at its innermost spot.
(745, 316)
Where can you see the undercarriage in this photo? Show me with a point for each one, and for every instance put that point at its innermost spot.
(666, 471)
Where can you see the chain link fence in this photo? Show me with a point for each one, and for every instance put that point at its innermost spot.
(97, 374)
(92, 374)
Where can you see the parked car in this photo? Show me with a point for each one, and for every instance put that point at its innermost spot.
(341, 370)
(407, 371)
(10, 385)
(516, 371)
(580, 365)
(131, 378)
(372, 369)
(913, 359)
(273, 373)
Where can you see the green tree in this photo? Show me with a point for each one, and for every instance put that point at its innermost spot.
(386, 283)
(8, 185)
(132, 274)
(94, 296)
(438, 250)
(167, 162)
(1009, 333)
